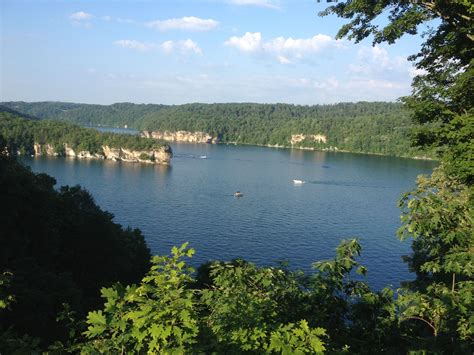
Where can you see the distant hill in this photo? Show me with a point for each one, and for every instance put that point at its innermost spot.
(6, 109)
(86, 114)
(363, 127)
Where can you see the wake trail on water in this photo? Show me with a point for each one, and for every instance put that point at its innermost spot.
(347, 184)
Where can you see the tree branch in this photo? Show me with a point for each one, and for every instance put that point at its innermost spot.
(435, 332)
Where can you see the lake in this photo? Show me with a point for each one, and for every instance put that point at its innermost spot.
(345, 196)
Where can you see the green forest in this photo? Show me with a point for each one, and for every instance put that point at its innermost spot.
(364, 127)
(73, 281)
(21, 133)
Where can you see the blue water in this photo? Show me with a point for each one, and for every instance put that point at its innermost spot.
(345, 196)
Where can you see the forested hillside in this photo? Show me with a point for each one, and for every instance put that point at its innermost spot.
(57, 247)
(84, 114)
(364, 127)
(21, 133)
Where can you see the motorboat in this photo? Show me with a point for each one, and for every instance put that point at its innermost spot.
(238, 194)
(298, 182)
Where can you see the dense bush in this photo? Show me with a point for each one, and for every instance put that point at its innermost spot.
(58, 247)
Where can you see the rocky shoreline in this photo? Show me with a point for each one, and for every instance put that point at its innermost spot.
(293, 143)
(161, 155)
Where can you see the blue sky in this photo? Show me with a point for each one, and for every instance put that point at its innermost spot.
(174, 52)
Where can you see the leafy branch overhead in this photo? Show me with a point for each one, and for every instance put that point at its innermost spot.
(442, 95)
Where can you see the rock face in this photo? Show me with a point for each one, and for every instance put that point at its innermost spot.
(161, 155)
(46, 149)
(297, 138)
(182, 136)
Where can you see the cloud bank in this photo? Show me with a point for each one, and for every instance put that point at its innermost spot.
(285, 50)
(187, 46)
(269, 4)
(189, 23)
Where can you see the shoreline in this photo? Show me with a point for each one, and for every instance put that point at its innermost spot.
(277, 146)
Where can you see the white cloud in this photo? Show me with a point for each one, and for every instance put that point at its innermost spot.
(189, 23)
(118, 19)
(136, 45)
(376, 54)
(283, 60)
(189, 45)
(376, 62)
(183, 47)
(80, 16)
(270, 4)
(415, 72)
(249, 42)
(285, 50)
(274, 88)
(300, 46)
(81, 19)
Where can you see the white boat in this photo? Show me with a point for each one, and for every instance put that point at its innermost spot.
(203, 157)
(298, 182)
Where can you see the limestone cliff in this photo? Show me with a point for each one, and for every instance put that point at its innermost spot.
(45, 149)
(182, 136)
(297, 138)
(160, 155)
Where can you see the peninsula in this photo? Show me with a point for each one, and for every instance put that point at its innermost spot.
(28, 136)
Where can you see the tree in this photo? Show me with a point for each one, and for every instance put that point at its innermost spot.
(440, 218)
(443, 94)
(240, 312)
(436, 311)
(157, 316)
(59, 247)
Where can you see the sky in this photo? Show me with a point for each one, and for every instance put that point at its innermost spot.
(182, 51)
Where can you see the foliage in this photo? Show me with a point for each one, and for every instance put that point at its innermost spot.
(163, 314)
(291, 339)
(439, 216)
(436, 310)
(243, 308)
(347, 307)
(21, 134)
(114, 115)
(250, 309)
(5, 297)
(443, 94)
(364, 127)
(158, 316)
(60, 248)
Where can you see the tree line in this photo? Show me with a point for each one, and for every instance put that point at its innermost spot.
(364, 127)
(21, 133)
